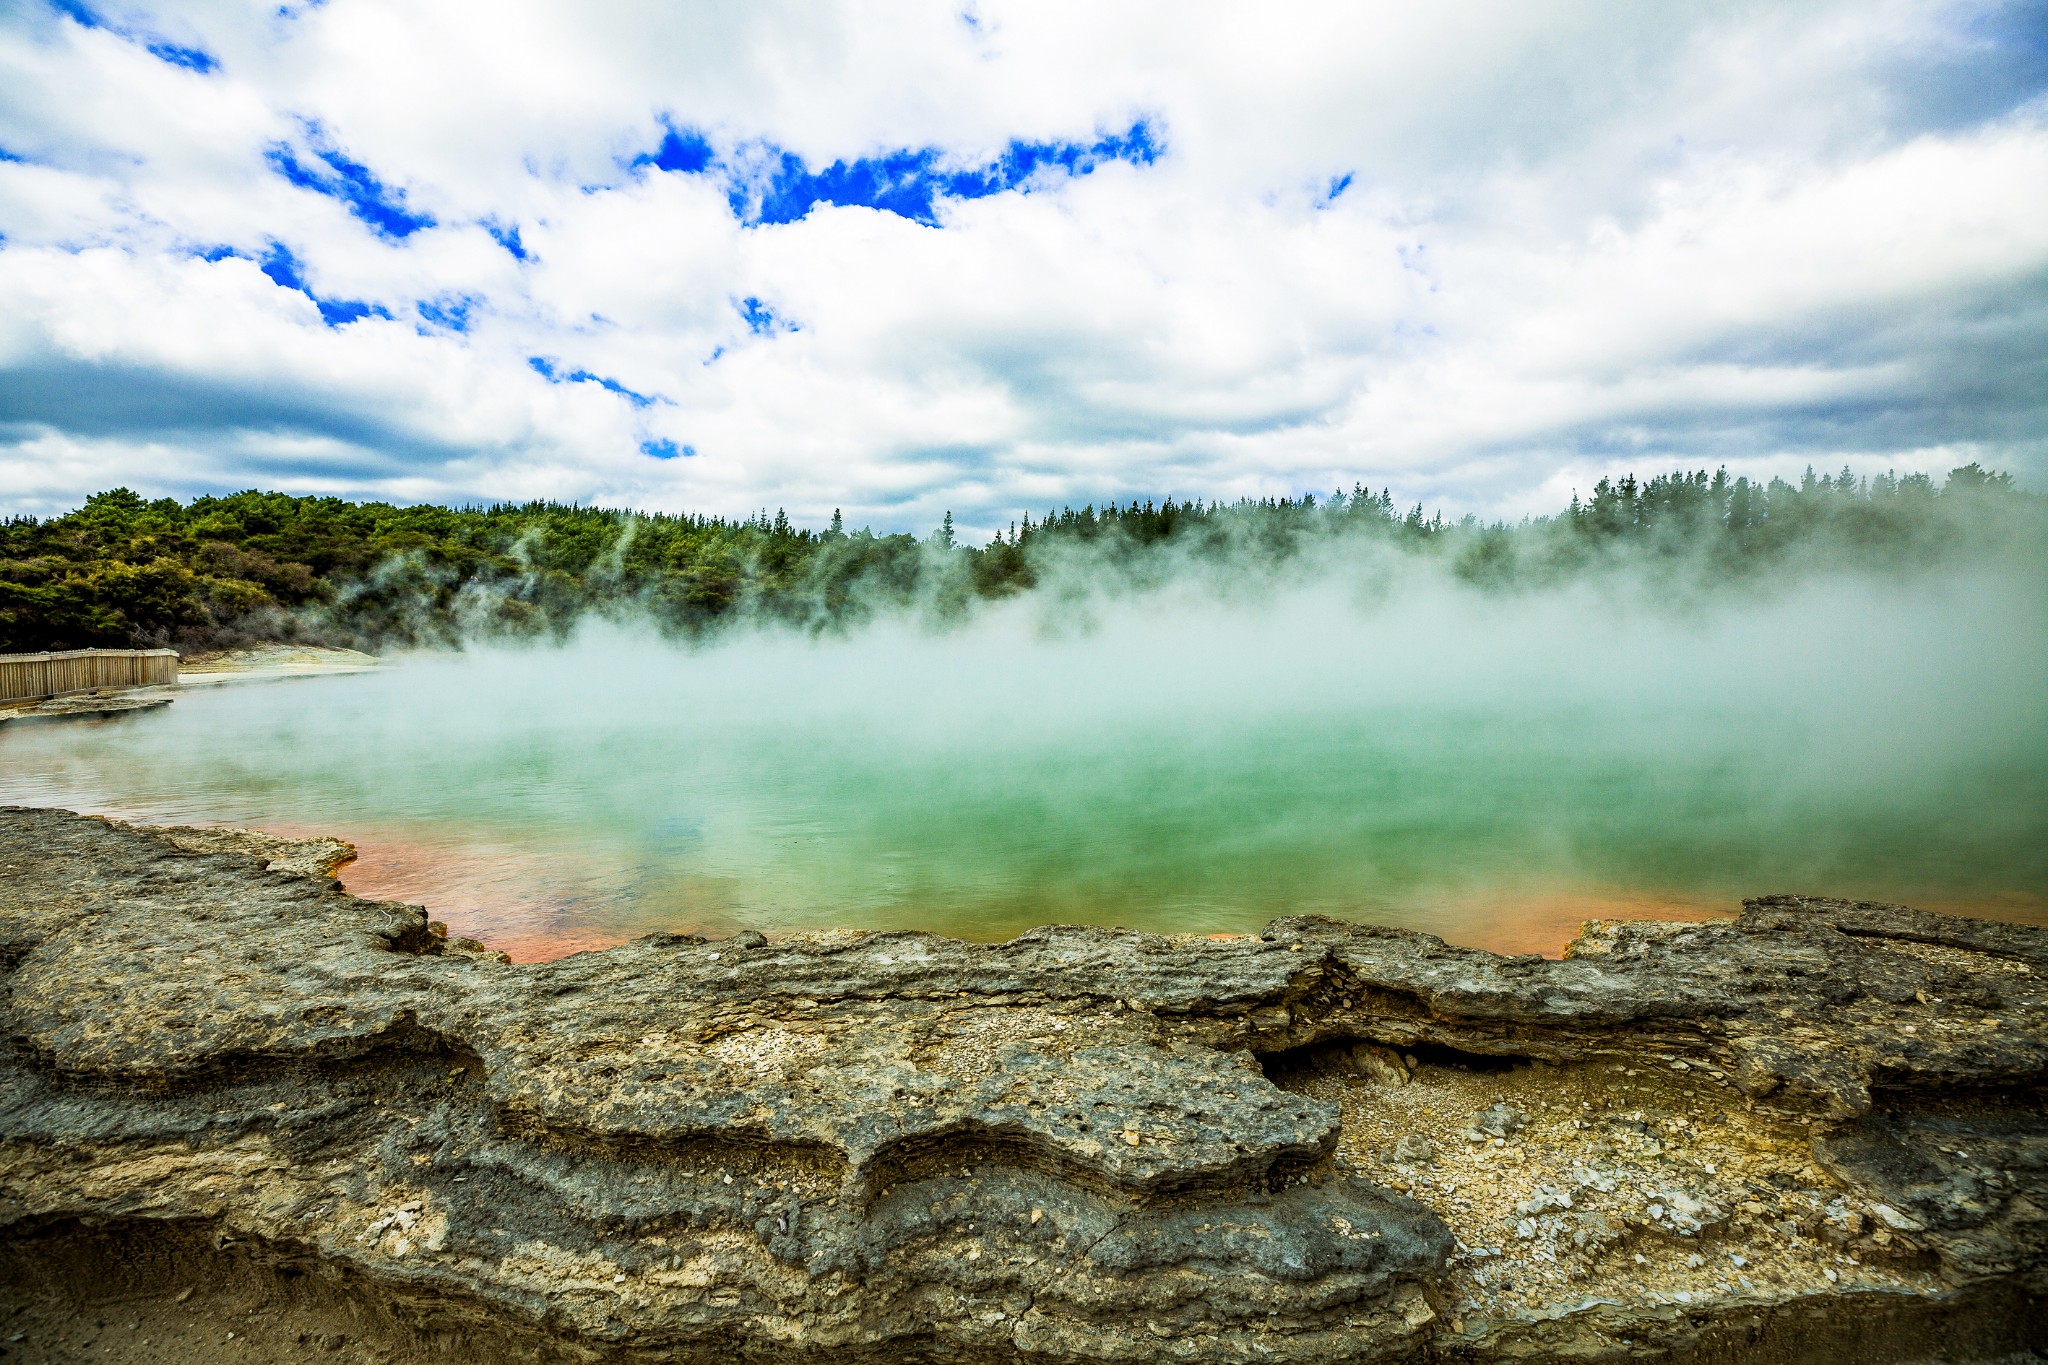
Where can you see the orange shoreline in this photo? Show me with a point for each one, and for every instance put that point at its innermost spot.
(489, 893)
(1509, 923)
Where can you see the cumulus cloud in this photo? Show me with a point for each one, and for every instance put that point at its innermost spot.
(900, 258)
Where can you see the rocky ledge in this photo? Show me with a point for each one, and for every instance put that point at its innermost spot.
(1814, 1132)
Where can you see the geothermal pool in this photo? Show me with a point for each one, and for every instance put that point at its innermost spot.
(1492, 774)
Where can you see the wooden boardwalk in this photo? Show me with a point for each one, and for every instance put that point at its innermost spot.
(59, 673)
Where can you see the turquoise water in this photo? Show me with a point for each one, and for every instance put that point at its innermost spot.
(1490, 773)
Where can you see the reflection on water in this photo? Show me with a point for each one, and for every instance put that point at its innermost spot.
(550, 802)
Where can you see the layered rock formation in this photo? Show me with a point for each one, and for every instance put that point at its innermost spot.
(1814, 1132)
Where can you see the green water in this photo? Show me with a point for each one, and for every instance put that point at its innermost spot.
(1484, 776)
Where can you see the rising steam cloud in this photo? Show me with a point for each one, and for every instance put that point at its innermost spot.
(1382, 741)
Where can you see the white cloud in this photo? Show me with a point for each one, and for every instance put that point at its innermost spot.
(1577, 238)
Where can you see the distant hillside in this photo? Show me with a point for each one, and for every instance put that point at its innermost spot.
(122, 570)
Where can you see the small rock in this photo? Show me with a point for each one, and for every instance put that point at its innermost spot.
(1542, 1200)
(1594, 1231)
(1416, 1148)
(749, 938)
(1500, 1120)
(1378, 1064)
(1594, 1178)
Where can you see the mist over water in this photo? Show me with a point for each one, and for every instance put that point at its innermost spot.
(1490, 769)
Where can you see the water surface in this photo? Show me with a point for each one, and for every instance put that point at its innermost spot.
(1490, 773)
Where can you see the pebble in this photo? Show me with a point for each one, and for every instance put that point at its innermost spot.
(1500, 1120)
(1415, 1147)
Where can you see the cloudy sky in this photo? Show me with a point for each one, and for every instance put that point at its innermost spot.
(900, 257)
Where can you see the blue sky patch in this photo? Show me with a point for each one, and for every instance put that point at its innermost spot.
(682, 149)
(761, 320)
(507, 237)
(547, 369)
(340, 312)
(910, 183)
(177, 54)
(287, 272)
(449, 311)
(1334, 190)
(279, 264)
(766, 184)
(191, 58)
(333, 174)
(665, 449)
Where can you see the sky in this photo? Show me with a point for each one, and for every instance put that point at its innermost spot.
(903, 258)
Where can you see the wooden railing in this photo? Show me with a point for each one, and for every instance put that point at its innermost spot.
(28, 677)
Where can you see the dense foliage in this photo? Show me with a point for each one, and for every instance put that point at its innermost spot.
(123, 570)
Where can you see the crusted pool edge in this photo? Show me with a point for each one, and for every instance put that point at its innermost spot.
(1082, 1144)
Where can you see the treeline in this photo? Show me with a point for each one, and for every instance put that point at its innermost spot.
(123, 570)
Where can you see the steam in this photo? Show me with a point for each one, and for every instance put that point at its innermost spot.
(1375, 739)
(1677, 542)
